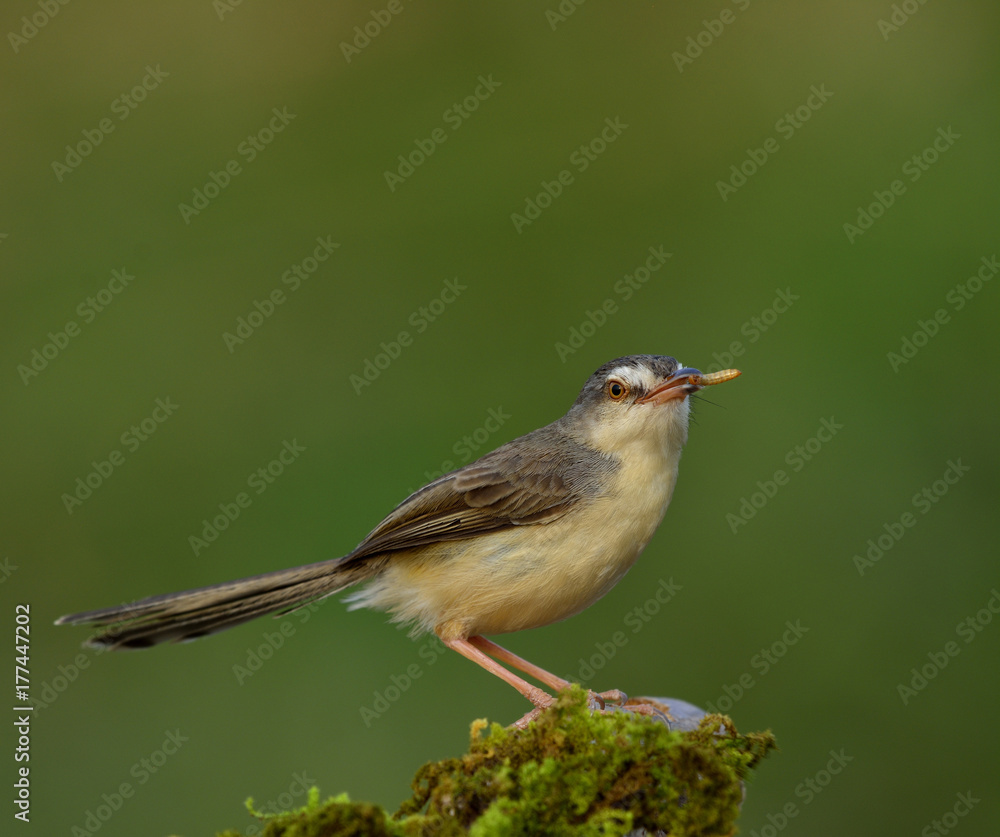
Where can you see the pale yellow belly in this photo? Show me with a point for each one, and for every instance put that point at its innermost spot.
(522, 577)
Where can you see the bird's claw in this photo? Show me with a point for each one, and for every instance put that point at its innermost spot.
(615, 696)
(622, 702)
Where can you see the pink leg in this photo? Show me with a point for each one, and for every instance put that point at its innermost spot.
(546, 677)
(467, 649)
(505, 656)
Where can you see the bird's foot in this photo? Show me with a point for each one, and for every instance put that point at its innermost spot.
(600, 700)
(648, 706)
(542, 701)
(615, 700)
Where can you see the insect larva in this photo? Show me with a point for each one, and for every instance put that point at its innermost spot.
(717, 377)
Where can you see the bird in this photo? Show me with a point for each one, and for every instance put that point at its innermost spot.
(529, 534)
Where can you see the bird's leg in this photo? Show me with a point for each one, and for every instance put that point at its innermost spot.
(470, 651)
(598, 699)
(505, 656)
(551, 680)
(481, 650)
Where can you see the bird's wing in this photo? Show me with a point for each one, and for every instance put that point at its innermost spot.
(524, 482)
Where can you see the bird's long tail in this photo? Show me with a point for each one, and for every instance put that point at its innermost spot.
(190, 614)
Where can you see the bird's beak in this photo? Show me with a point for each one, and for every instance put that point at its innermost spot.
(684, 382)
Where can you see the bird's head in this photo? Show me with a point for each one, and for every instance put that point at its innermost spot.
(638, 399)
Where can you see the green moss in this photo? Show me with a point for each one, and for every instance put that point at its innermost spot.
(572, 772)
(336, 816)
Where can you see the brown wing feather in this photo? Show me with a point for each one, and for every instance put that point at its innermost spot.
(533, 480)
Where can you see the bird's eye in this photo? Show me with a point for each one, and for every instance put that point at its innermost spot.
(617, 390)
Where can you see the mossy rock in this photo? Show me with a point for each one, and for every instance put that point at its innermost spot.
(571, 772)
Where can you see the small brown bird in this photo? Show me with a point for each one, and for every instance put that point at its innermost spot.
(528, 535)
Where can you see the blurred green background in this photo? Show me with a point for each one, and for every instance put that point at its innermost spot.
(694, 91)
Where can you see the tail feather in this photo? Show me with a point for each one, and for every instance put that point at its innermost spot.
(176, 617)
